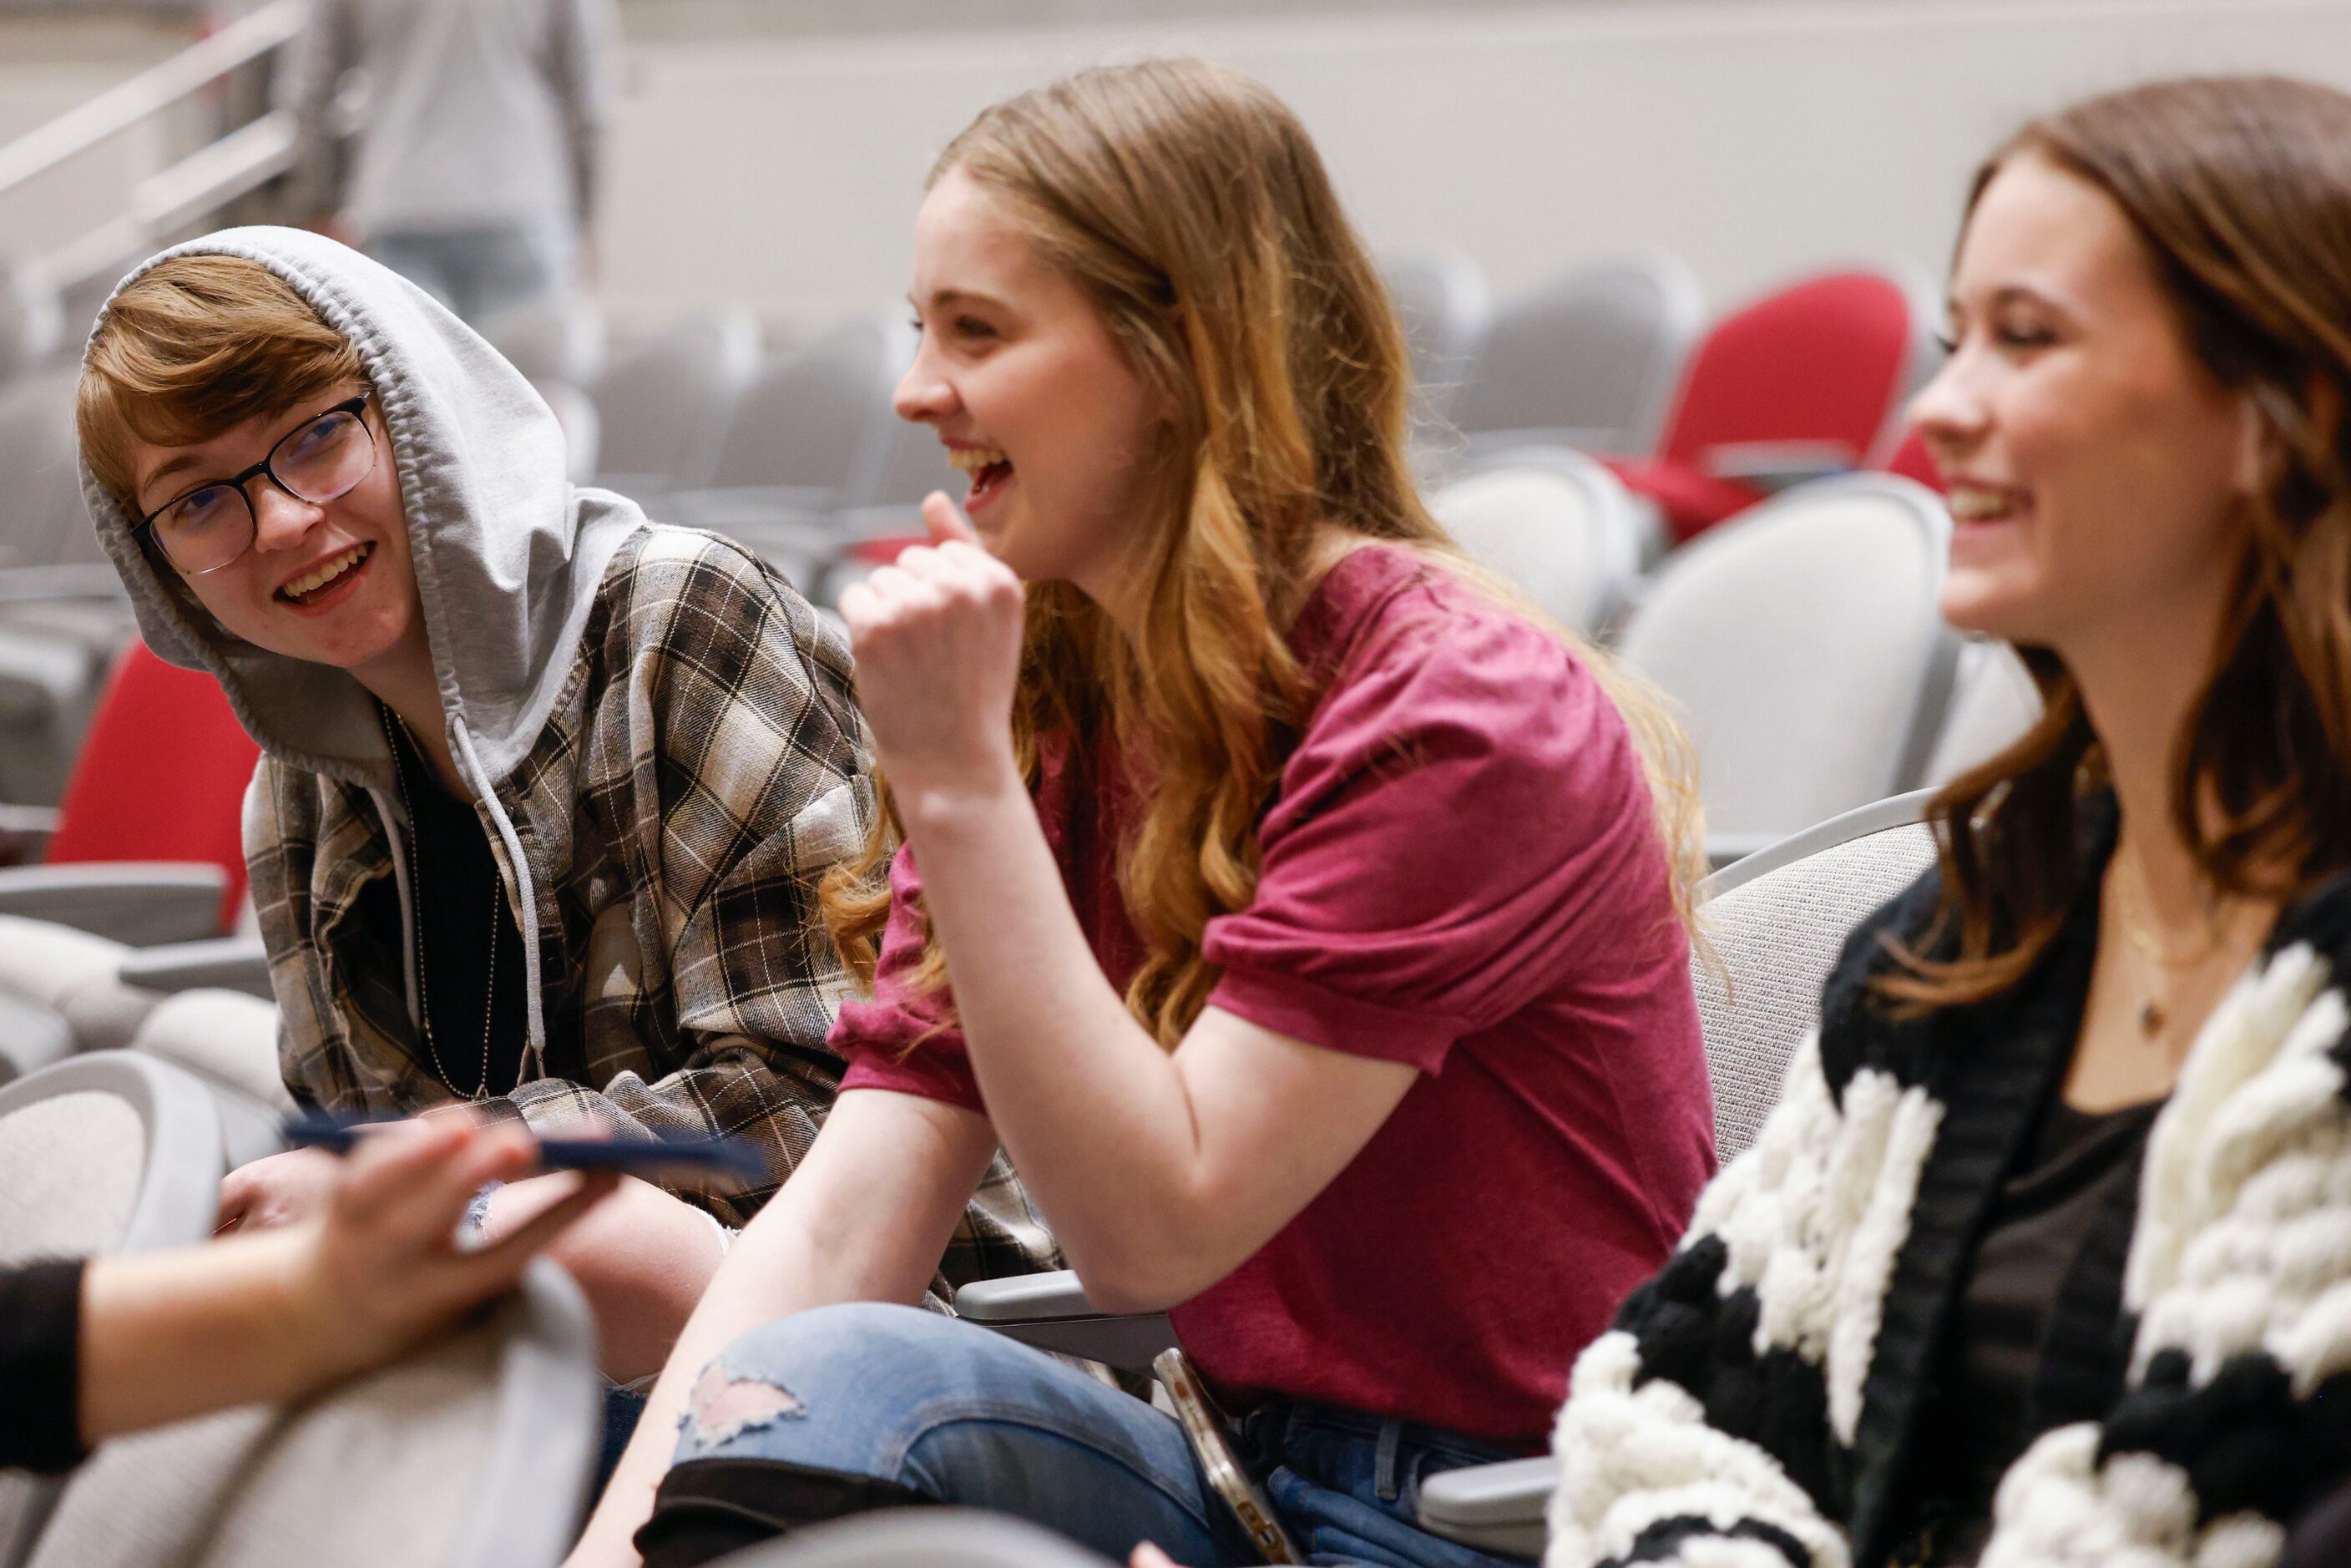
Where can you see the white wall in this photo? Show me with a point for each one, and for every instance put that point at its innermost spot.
(1755, 139)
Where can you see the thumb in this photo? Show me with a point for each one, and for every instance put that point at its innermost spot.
(946, 520)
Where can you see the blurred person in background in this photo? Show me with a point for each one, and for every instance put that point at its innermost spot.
(91, 1349)
(474, 170)
(2044, 1257)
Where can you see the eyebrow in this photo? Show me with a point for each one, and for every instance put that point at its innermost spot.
(187, 461)
(945, 296)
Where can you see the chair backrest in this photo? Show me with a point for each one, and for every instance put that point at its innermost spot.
(1776, 922)
(1440, 300)
(1993, 703)
(1824, 364)
(1552, 523)
(584, 428)
(46, 518)
(1909, 458)
(105, 1153)
(119, 806)
(818, 418)
(1588, 357)
(32, 1036)
(31, 321)
(474, 1452)
(1803, 645)
(555, 338)
(665, 404)
(919, 1538)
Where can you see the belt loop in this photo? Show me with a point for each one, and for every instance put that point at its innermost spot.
(1391, 1434)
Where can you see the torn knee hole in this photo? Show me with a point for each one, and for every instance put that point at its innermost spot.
(726, 1406)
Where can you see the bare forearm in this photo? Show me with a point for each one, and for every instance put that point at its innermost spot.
(1094, 1112)
(165, 1335)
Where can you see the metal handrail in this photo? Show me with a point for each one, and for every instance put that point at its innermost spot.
(120, 107)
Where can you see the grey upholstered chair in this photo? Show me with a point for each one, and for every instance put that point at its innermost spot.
(474, 1452)
(1803, 648)
(1993, 703)
(1441, 300)
(1552, 523)
(109, 1152)
(1588, 357)
(919, 1538)
(666, 404)
(1776, 921)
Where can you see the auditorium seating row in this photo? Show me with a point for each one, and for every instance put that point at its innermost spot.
(478, 1450)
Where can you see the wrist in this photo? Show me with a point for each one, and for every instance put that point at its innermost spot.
(322, 1337)
(945, 807)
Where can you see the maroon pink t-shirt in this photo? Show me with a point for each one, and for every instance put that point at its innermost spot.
(1462, 873)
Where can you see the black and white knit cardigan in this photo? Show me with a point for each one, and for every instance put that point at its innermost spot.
(1758, 1403)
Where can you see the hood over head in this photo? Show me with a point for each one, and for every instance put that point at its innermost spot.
(509, 553)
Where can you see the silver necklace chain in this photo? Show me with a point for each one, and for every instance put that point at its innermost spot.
(416, 901)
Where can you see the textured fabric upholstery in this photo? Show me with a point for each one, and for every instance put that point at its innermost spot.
(1774, 940)
(226, 1037)
(1804, 650)
(416, 1433)
(60, 1201)
(932, 1537)
(470, 1453)
(1563, 535)
(74, 974)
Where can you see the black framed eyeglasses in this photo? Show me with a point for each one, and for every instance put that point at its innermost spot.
(323, 459)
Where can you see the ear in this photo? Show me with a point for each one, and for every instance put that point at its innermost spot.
(2260, 444)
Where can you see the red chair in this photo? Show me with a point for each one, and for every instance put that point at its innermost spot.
(1802, 383)
(1912, 461)
(149, 844)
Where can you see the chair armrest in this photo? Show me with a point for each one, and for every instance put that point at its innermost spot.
(24, 833)
(22, 584)
(1050, 1311)
(139, 902)
(1728, 849)
(222, 962)
(31, 1036)
(1773, 466)
(1496, 1508)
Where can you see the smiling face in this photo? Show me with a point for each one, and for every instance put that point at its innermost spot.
(1028, 393)
(2096, 467)
(330, 584)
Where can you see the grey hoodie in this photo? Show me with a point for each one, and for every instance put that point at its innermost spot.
(509, 553)
(664, 749)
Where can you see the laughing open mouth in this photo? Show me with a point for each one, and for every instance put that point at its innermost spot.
(329, 575)
(987, 467)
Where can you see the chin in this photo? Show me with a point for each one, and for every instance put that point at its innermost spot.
(1994, 609)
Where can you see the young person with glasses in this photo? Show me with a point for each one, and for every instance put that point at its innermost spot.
(547, 790)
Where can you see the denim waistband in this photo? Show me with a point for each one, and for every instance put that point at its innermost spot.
(1270, 1426)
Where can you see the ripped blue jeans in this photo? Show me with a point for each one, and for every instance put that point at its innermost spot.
(960, 1414)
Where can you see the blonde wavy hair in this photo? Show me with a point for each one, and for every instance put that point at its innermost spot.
(1189, 204)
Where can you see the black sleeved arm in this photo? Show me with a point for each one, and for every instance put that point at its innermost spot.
(40, 1366)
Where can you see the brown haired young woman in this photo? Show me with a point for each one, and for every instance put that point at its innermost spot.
(1309, 915)
(2057, 1205)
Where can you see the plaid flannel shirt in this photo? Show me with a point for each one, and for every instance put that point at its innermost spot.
(701, 770)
